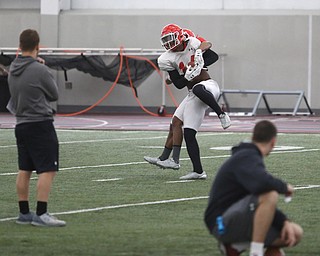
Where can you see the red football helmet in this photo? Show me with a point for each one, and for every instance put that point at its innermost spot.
(188, 33)
(171, 36)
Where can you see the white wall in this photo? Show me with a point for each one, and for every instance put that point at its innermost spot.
(198, 4)
(20, 4)
(169, 4)
(267, 49)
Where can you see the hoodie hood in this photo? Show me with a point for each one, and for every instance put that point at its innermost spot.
(245, 146)
(20, 64)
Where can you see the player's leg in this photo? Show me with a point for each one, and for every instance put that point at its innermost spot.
(45, 155)
(193, 117)
(262, 220)
(174, 140)
(24, 175)
(207, 97)
(22, 185)
(235, 233)
(193, 149)
(44, 184)
(167, 149)
(208, 91)
(275, 240)
(177, 137)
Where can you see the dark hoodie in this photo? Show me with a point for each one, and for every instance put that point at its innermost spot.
(32, 88)
(244, 173)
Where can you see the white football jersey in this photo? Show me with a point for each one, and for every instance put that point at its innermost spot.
(169, 60)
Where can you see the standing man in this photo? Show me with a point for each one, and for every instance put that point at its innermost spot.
(242, 209)
(186, 60)
(32, 88)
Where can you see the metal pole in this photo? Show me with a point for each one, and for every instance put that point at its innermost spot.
(310, 60)
(163, 88)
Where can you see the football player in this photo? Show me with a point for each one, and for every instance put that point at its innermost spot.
(186, 59)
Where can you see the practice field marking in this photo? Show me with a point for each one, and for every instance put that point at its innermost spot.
(276, 148)
(182, 159)
(296, 151)
(106, 140)
(120, 206)
(8, 173)
(102, 180)
(8, 146)
(87, 126)
(141, 204)
(118, 139)
(124, 139)
(179, 181)
(95, 141)
(157, 147)
(298, 187)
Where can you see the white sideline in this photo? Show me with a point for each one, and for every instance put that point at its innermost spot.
(182, 159)
(143, 204)
(120, 206)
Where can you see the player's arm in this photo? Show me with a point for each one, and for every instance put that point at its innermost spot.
(49, 85)
(206, 45)
(210, 57)
(204, 56)
(178, 80)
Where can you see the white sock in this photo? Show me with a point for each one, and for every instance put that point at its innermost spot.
(256, 249)
(240, 247)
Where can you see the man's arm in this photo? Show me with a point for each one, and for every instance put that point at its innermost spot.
(178, 80)
(49, 85)
(206, 45)
(210, 57)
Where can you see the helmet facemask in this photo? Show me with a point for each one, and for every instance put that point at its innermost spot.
(170, 40)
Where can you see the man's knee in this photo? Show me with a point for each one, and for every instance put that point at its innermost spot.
(298, 232)
(270, 197)
(189, 134)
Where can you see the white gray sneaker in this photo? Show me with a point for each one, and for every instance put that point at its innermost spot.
(194, 176)
(168, 163)
(225, 120)
(47, 220)
(25, 218)
(151, 160)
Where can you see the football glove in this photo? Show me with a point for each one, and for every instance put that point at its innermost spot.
(198, 59)
(192, 72)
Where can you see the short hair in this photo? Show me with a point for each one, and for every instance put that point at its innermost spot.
(29, 40)
(264, 131)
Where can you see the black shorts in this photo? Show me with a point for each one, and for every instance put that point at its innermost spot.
(38, 146)
(238, 223)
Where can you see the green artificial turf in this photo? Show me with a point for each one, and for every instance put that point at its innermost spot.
(115, 203)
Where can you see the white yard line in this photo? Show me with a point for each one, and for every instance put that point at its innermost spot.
(103, 180)
(95, 141)
(182, 159)
(179, 181)
(143, 204)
